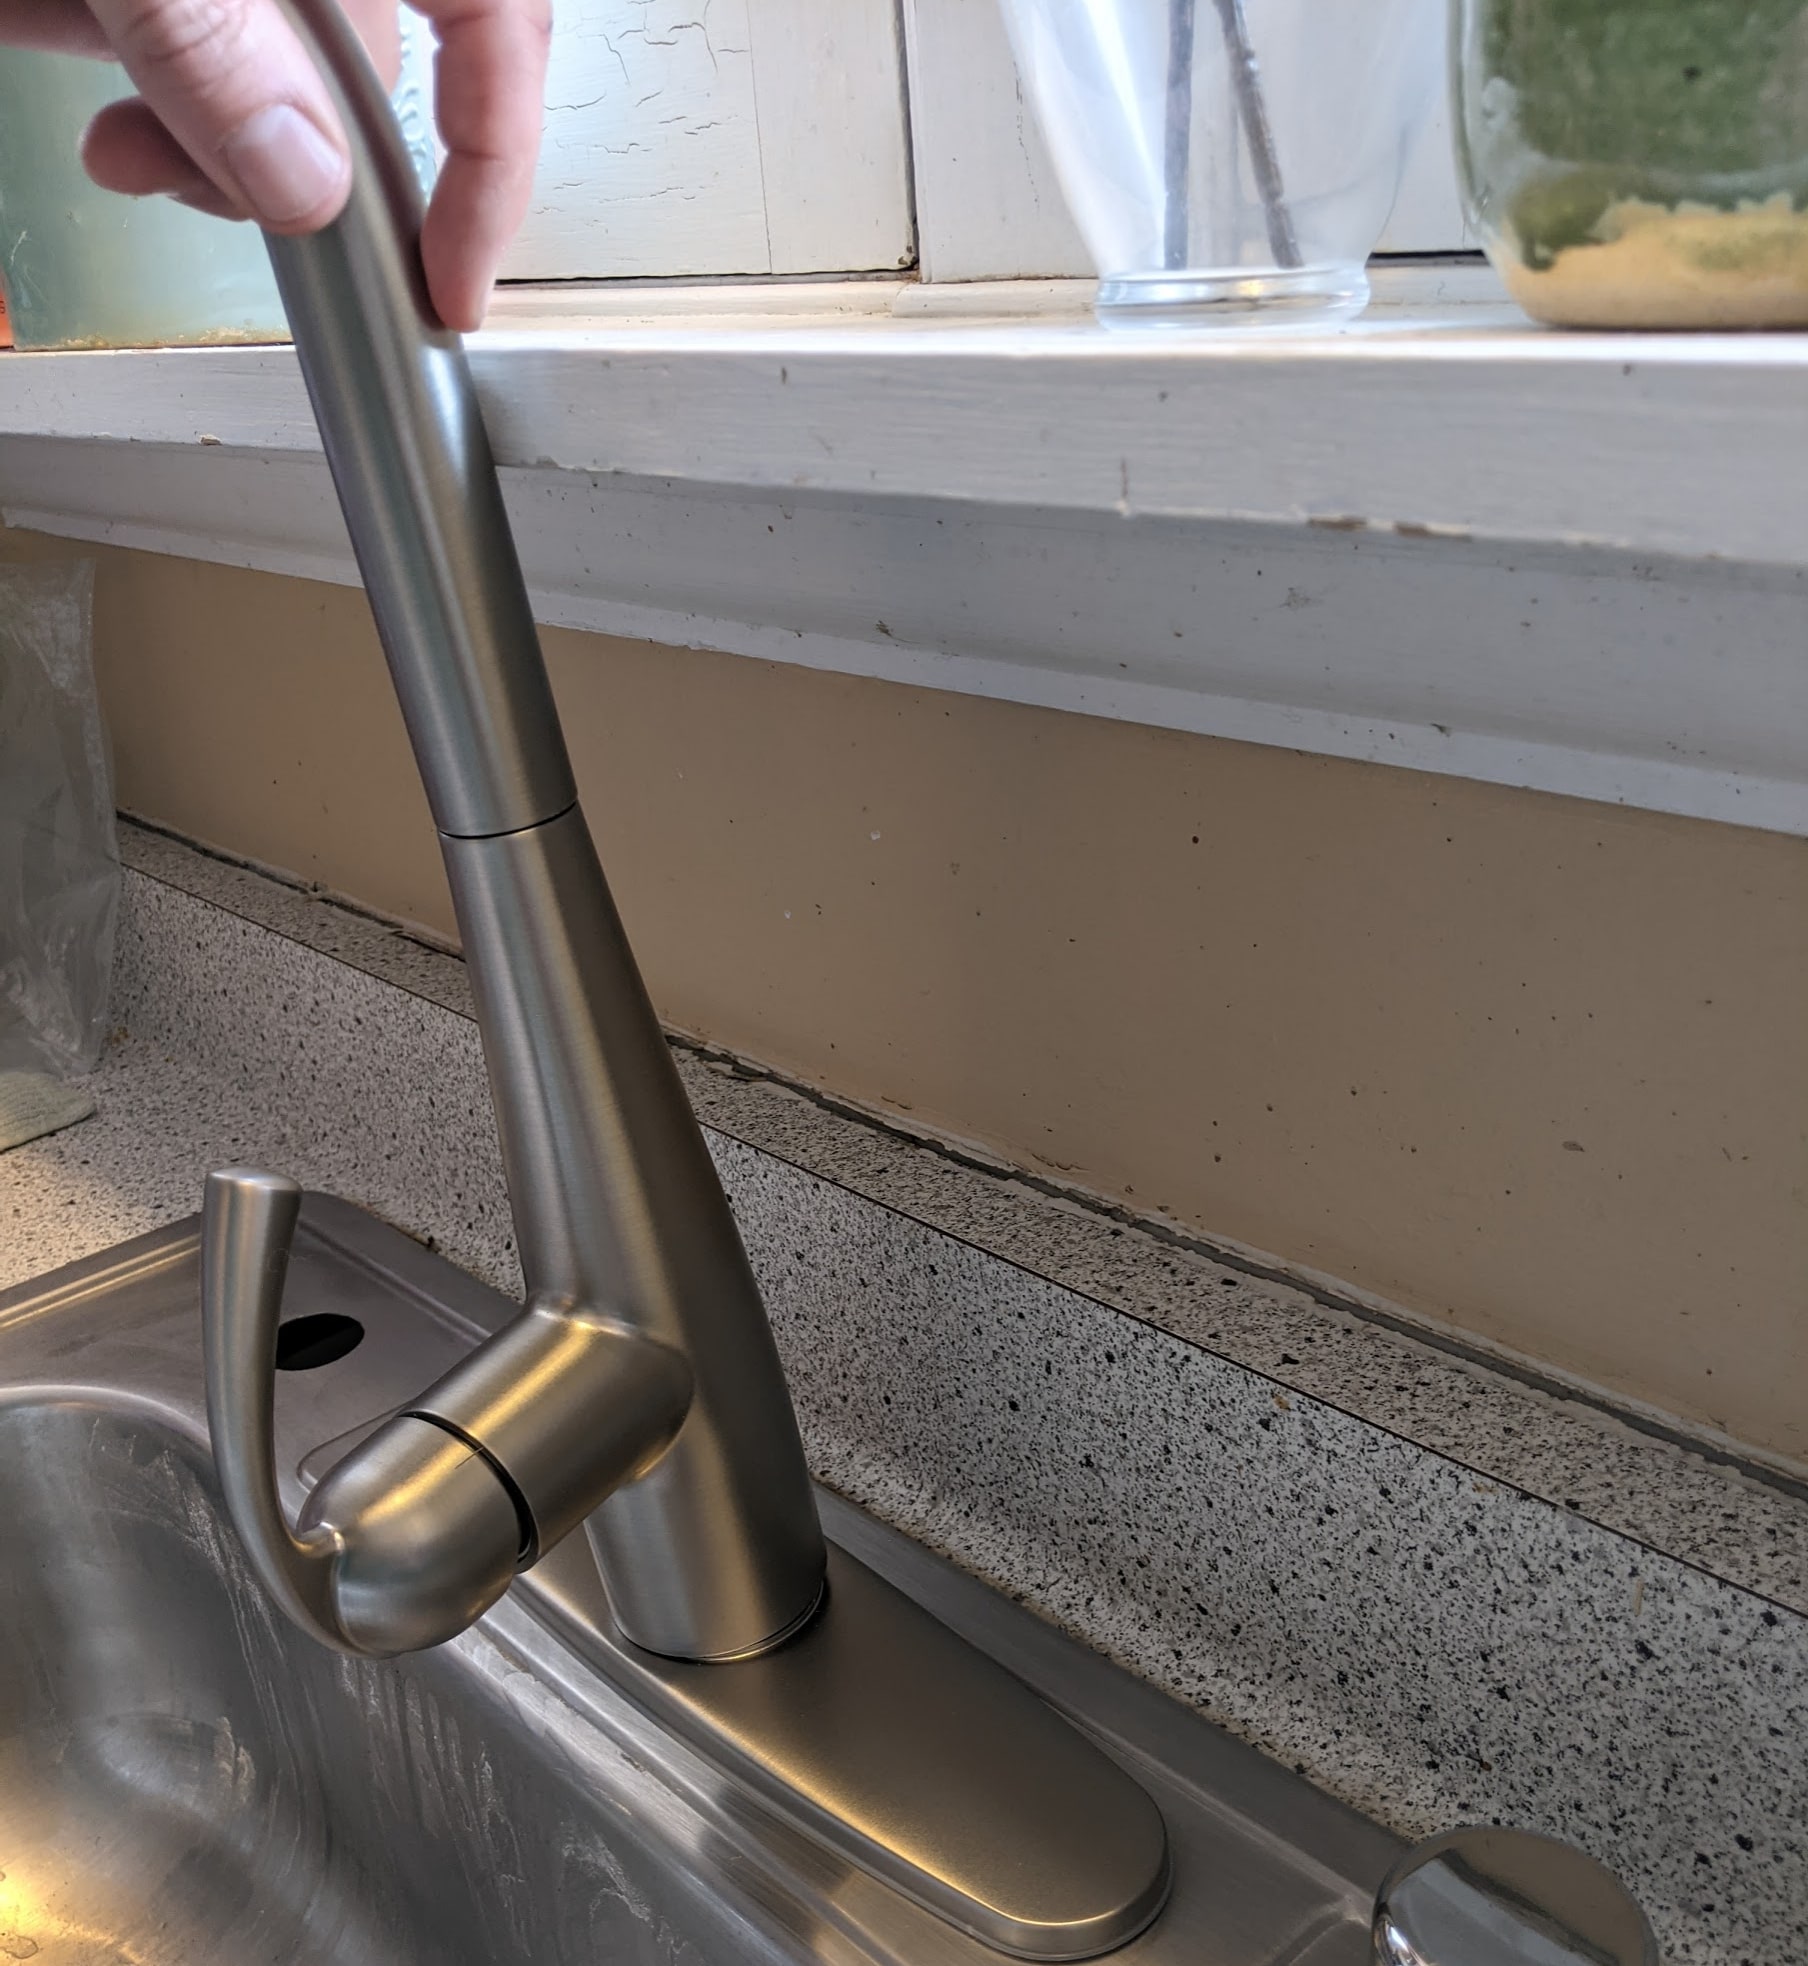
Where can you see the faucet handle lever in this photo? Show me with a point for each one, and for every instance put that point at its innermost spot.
(411, 1537)
(419, 1528)
(247, 1227)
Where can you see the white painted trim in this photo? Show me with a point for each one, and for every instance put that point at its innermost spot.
(989, 205)
(834, 155)
(1453, 420)
(1678, 684)
(745, 136)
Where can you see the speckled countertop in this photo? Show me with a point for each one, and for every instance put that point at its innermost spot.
(1441, 1592)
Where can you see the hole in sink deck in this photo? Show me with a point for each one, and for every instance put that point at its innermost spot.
(322, 1338)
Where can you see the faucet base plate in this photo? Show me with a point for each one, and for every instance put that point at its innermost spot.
(902, 1748)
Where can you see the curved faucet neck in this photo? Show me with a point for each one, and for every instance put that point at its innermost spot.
(715, 1549)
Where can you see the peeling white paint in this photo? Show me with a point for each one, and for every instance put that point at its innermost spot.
(690, 137)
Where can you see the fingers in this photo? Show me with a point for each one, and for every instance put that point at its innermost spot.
(62, 26)
(234, 119)
(489, 87)
(126, 149)
(228, 80)
(380, 29)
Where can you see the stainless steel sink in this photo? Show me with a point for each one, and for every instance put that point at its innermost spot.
(184, 1779)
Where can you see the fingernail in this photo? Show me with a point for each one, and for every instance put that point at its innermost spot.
(282, 164)
(214, 204)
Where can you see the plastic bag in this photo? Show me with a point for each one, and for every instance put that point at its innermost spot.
(59, 848)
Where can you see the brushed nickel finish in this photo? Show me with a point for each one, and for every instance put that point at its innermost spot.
(711, 1548)
(863, 1731)
(185, 1778)
(638, 1389)
(405, 438)
(716, 1551)
(1503, 1897)
(419, 1529)
(415, 1537)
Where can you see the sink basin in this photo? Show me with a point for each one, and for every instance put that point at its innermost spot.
(182, 1779)
(186, 1780)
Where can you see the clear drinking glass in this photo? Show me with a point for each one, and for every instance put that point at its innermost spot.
(1228, 160)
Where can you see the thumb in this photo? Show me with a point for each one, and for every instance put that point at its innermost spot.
(231, 83)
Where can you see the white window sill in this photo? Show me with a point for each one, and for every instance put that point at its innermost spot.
(1438, 537)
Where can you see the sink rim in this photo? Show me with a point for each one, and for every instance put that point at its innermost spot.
(1220, 1795)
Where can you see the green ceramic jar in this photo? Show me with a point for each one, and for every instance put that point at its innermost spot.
(1639, 163)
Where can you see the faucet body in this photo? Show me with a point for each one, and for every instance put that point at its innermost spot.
(639, 1295)
(638, 1390)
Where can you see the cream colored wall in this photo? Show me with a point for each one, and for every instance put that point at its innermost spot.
(1534, 1067)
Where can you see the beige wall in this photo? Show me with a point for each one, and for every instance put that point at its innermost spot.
(1535, 1067)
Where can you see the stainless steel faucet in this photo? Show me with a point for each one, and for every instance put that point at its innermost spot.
(638, 1392)
(641, 1310)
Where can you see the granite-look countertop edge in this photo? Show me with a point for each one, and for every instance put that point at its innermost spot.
(1682, 1504)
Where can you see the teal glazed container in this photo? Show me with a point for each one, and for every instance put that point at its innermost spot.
(1639, 163)
(85, 268)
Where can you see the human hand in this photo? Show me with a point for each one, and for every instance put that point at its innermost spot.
(231, 116)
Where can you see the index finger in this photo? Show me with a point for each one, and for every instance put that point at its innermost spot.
(489, 89)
